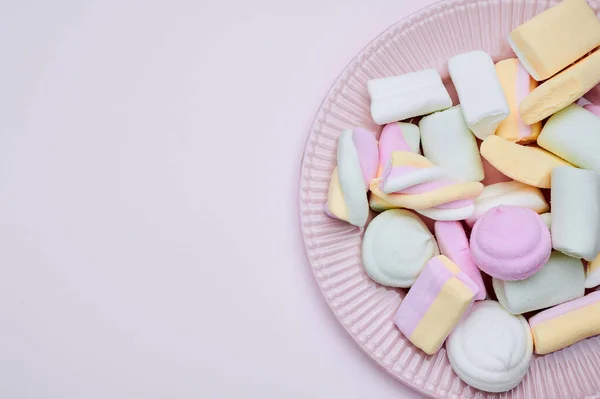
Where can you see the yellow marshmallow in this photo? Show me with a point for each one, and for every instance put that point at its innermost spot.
(517, 84)
(562, 90)
(379, 205)
(556, 38)
(529, 165)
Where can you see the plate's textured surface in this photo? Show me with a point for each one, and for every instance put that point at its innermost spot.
(426, 39)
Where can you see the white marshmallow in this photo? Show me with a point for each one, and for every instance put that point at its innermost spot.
(412, 136)
(448, 143)
(480, 92)
(508, 193)
(575, 212)
(574, 135)
(447, 214)
(490, 349)
(560, 280)
(547, 218)
(592, 273)
(401, 97)
(396, 247)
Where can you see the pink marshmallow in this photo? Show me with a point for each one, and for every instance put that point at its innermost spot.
(510, 243)
(453, 242)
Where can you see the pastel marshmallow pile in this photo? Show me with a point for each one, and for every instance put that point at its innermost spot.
(498, 252)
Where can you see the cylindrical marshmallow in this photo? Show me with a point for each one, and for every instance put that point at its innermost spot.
(396, 247)
(572, 134)
(560, 280)
(448, 143)
(401, 97)
(517, 84)
(508, 193)
(566, 324)
(357, 159)
(490, 349)
(435, 304)
(510, 243)
(559, 36)
(453, 243)
(575, 200)
(479, 90)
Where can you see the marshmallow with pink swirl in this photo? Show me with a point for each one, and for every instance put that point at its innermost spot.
(412, 181)
(357, 159)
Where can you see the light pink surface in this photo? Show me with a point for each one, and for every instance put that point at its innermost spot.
(129, 268)
(453, 242)
(510, 242)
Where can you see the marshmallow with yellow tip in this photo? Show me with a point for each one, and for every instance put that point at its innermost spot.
(397, 136)
(529, 165)
(412, 181)
(401, 97)
(560, 280)
(481, 97)
(508, 193)
(592, 273)
(575, 199)
(448, 143)
(574, 135)
(562, 90)
(554, 39)
(357, 159)
(435, 304)
(517, 84)
(566, 324)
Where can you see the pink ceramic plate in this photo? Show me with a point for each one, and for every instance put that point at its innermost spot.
(424, 40)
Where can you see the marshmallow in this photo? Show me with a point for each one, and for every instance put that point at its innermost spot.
(547, 218)
(572, 134)
(556, 38)
(479, 90)
(379, 205)
(593, 108)
(453, 243)
(357, 159)
(448, 143)
(435, 304)
(566, 324)
(517, 84)
(562, 90)
(592, 273)
(396, 247)
(508, 193)
(529, 165)
(510, 243)
(575, 200)
(560, 280)
(397, 136)
(401, 97)
(490, 349)
(412, 181)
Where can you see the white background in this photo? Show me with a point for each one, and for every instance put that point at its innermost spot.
(149, 237)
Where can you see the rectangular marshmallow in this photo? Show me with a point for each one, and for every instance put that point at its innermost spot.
(556, 38)
(560, 280)
(575, 200)
(435, 304)
(562, 90)
(481, 97)
(401, 97)
(448, 143)
(566, 324)
(574, 135)
(517, 84)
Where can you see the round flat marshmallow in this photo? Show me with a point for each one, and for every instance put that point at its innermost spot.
(491, 349)
(396, 247)
(510, 243)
